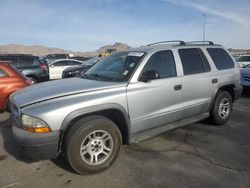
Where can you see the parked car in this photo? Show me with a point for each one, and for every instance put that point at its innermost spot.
(52, 57)
(78, 70)
(10, 81)
(245, 78)
(125, 98)
(28, 65)
(243, 60)
(57, 67)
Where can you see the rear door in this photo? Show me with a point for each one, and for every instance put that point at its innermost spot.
(198, 83)
(56, 69)
(159, 101)
(4, 83)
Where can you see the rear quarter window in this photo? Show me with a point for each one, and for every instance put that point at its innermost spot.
(13, 60)
(29, 61)
(221, 58)
(2, 73)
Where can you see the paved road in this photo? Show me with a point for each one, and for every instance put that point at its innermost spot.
(198, 155)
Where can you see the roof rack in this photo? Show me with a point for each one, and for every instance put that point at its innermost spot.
(202, 42)
(170, 41)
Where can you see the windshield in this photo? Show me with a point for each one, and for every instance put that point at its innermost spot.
(116, 67)
(92, 61)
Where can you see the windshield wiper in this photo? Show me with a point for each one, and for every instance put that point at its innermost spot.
(104, 78)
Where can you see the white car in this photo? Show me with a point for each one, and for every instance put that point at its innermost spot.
(243, 60)
(56, 67)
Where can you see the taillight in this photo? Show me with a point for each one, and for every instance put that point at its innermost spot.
(42, 66)
(28, 81)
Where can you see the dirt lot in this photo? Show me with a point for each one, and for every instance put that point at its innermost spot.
(198, 155)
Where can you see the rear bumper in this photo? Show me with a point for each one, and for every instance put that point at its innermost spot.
(43, 78)
(38, 145)
(237, 92)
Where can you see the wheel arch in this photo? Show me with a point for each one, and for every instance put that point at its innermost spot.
(114, 112)
(229, 88)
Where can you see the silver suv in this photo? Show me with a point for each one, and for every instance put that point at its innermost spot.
(127, 97)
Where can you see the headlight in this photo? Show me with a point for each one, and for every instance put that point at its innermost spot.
(74, 72)
(33, 124)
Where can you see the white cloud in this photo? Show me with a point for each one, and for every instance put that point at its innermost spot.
(218, 11)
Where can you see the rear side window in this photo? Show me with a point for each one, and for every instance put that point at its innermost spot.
(29, 61)
(162, 62)
(221, 58)
(74, 63)
(2, 73)
(193, 61)
(13, 60)
(244, 58)
(61, 63)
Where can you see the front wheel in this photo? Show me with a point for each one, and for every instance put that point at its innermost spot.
(222, 108)
(92, 144)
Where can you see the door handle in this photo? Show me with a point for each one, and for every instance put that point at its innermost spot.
(177, 87)
(214, 81)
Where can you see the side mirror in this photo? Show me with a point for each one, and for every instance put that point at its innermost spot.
(51, 66)
(149, 75)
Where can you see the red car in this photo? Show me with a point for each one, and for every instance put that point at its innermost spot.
(10, 81)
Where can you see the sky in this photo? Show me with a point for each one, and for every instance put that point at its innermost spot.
(86, 25)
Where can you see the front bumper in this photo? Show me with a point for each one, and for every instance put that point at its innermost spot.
(38, 145)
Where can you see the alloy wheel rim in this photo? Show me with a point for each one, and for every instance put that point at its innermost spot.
(224, 108)
(96, 147)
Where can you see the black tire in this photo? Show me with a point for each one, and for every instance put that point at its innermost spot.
(79, 132)
(244, 90)
(8, 105)
(215, 116)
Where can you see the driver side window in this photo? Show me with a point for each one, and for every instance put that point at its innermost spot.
(163, 63)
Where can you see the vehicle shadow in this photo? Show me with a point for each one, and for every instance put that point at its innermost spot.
(13, 148)
(10, 146)
(246, 94)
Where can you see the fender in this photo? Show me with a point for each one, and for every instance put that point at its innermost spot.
(96, 108)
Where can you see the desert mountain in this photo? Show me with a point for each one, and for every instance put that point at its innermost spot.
(117, 46)
(43, 50)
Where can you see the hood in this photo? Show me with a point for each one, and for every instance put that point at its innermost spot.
(59, 88)
(77, 67)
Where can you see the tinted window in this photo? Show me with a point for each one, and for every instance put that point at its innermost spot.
(191, 61)
(29, 61)
(206, 65)
(2, 73)
(74, 63)
(61, 63)
(14, 60)
(221, 58)
(244, 58)
(162, 62)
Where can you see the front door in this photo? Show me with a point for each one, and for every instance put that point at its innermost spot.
(157, 101)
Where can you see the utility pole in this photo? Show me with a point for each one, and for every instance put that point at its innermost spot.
(204, 27)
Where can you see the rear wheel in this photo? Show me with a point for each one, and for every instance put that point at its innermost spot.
(222, 108)
(92, 144)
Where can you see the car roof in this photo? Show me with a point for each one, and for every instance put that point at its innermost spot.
(51, 62)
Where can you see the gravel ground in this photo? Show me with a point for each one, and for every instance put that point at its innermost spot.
(198, 155)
